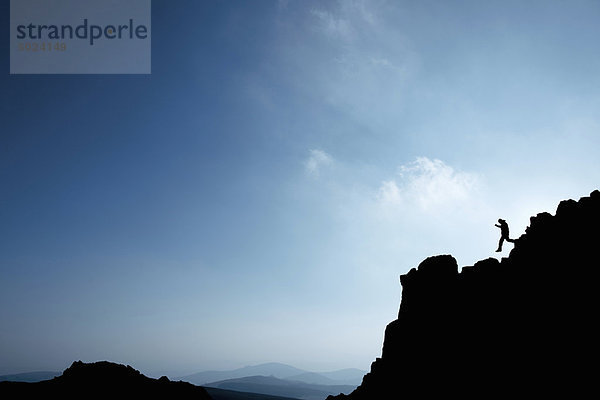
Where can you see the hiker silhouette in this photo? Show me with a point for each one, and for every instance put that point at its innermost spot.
(504, 234)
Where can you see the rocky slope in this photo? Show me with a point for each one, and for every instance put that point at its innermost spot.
(522, 326)
(103, 380)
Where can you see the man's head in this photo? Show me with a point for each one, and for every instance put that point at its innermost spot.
(500, 220)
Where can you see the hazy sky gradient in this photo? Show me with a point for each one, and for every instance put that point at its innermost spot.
(256, 198)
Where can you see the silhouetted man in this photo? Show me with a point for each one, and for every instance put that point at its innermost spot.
(504, 233)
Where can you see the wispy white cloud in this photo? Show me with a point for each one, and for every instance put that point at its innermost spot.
(359, 61)
(427, 184)
(333, 25)
(316, 161)
(344, 20)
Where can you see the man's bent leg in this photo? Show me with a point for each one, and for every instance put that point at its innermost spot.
(500, 245)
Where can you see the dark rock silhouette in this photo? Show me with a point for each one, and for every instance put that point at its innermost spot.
(525, 326)
(103, 380)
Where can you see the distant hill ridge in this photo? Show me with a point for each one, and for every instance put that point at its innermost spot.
(110, 380)
(525, 326)
(34, 376)
(271, 385)
(348, 376)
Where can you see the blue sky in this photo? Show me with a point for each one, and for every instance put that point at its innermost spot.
(256, 198)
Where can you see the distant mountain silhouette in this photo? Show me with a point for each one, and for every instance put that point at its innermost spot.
(319, 379)
(349, 376)
(34, 376)
(525, 326)
(278, 370)
(223, 394)
(103, 380)
(273, 386)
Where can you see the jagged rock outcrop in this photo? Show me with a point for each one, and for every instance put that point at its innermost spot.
(522, 326)
(103, 380)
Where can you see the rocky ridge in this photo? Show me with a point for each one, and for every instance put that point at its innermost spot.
(522, 326)
(103, 379)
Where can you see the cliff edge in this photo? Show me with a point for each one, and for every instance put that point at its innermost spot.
(522, 326)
